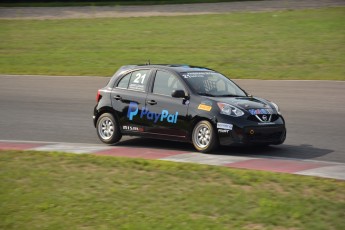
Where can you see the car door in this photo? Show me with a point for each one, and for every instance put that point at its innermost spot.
(167, 115)
(128, 100)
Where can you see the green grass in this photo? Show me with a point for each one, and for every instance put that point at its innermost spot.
(68, 191)
(304, 44)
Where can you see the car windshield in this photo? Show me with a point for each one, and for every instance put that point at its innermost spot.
(212, 84)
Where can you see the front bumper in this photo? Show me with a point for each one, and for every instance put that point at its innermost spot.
(251, 135)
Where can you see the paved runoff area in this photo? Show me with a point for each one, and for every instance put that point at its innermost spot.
(280, 165)
(42, 13)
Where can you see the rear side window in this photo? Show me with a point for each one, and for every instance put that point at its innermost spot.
(136, 80)
(123, 83)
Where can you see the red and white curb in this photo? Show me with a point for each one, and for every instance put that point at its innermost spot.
(283, 165)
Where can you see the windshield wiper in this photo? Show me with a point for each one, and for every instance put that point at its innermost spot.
(229, 95)
(206, 94)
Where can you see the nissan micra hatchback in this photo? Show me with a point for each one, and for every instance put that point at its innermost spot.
(184, 103)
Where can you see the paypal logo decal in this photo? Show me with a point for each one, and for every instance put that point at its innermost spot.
(133, 110)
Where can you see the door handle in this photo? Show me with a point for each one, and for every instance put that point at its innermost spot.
(151, 102)
(117, 97)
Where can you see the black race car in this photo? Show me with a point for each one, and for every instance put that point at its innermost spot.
(184, 103)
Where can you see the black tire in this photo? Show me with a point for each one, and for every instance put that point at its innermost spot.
(204, 137)
(108, 129)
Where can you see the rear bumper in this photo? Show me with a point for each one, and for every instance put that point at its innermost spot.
(94, 120)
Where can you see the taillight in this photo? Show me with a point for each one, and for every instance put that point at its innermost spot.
(99, 96)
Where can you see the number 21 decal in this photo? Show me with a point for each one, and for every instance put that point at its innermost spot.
(139, 78)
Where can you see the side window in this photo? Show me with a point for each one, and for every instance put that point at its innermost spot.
(138, 80)
(165, 83)
(123, 83)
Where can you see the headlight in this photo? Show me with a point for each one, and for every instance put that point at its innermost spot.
(276, 107)
(229, 110)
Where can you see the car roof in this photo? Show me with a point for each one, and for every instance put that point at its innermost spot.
(180, 68)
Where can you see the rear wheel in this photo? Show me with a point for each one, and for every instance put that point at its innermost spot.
(108, 129)
(204, 137)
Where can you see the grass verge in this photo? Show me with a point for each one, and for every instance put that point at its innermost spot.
(306, 44)
(68, 191)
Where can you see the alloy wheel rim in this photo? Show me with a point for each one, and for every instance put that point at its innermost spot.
(106, 128)
(202, 136)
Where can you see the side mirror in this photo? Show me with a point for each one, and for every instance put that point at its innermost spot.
(178, 93)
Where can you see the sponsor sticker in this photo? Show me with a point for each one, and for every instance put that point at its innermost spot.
(136, 87)
(224, 126)
(223, 131)
(260, 111)
(196, 74)
(205, 107)
(132, 128)
(206, 102)
(164, 115)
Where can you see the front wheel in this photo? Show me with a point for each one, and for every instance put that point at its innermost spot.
(108, 130)
(204, 137)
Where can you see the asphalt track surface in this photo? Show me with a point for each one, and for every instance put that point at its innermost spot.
(59, 109)
(161, 10)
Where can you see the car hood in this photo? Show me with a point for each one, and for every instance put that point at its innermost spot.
(246, 103)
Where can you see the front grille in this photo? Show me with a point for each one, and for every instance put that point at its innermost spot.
(266, 137)
(265, 134)
(254, 118)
